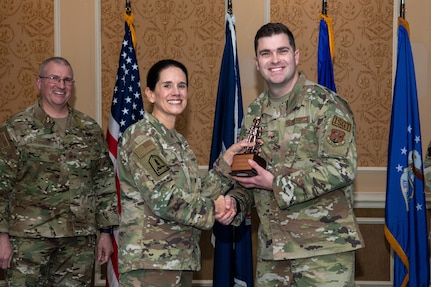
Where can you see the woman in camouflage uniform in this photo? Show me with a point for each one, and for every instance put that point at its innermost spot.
(165, 203)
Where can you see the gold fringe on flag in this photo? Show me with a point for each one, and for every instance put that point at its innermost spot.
(328, 21)
(129, 18)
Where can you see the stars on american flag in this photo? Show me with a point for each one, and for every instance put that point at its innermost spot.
(127, 104)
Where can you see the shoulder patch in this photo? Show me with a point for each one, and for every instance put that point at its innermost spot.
(338, 136)
(158, 165)
(144, 148)
(341, 123)
(149, 157)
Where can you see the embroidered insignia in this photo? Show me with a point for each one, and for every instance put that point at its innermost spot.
(300, 120)
(342, 124)
(158, 165)
(337, 136)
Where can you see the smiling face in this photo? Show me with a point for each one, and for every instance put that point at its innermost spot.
(55, 96)
(277, 62)
(169, 95)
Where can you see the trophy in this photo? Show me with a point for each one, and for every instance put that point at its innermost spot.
(240, 166)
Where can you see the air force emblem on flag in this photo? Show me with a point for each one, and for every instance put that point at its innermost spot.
(409, 175)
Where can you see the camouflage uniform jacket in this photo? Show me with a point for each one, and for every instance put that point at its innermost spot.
(164, 201)
(309, 146)
(54, 184)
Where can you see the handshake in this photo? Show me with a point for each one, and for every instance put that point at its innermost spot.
(225, 209)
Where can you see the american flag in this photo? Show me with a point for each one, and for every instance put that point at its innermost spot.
(127, 108)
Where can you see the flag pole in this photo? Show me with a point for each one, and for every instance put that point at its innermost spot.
(402, 9)
(229, 7)
(128, 7)
(324, 7)
(127, 96)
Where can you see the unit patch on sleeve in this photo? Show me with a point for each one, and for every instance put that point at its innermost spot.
(338, 136)
(158, 165)
(149, 157)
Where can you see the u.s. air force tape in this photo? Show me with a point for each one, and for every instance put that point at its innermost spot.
(150, 158)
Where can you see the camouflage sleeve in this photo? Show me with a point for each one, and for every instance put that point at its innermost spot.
(149, 178)
(217, 181)
(245, 201)
(332, 166)
(8, 167)
(104, 182)
(427, 166)
(243, 197)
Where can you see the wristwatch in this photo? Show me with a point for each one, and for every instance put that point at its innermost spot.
(108, 230)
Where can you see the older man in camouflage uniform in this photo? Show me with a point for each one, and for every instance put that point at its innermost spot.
(308, 232)
(57, 188)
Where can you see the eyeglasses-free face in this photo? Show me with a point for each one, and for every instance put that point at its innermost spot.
(52, 79)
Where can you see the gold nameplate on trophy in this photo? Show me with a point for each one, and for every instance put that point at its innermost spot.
(240, 166)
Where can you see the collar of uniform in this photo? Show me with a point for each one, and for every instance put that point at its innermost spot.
(172, 136)
(43, 117)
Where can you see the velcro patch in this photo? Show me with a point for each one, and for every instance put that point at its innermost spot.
(295, 121)
(338, 136)
(148, 156)
(144, 148)
(341, 123)
(158, 165)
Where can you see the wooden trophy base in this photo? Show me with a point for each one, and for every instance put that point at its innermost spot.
(240, 166)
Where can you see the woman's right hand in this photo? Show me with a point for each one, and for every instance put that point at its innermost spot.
(225, 209)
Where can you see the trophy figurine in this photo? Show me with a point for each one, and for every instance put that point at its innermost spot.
(240, 166)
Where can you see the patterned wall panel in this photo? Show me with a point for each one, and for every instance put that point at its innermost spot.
(190, 31)
(193, 32)
(26, 39)
(362, 62)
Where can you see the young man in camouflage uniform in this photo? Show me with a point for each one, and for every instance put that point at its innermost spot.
(57, 188)
(308, 232)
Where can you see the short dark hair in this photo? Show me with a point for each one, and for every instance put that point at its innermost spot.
(153, 75)
(270, 29)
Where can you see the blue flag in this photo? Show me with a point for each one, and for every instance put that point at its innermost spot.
(233, 250)
(127, 108)
(325, 71)
(405, 212)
